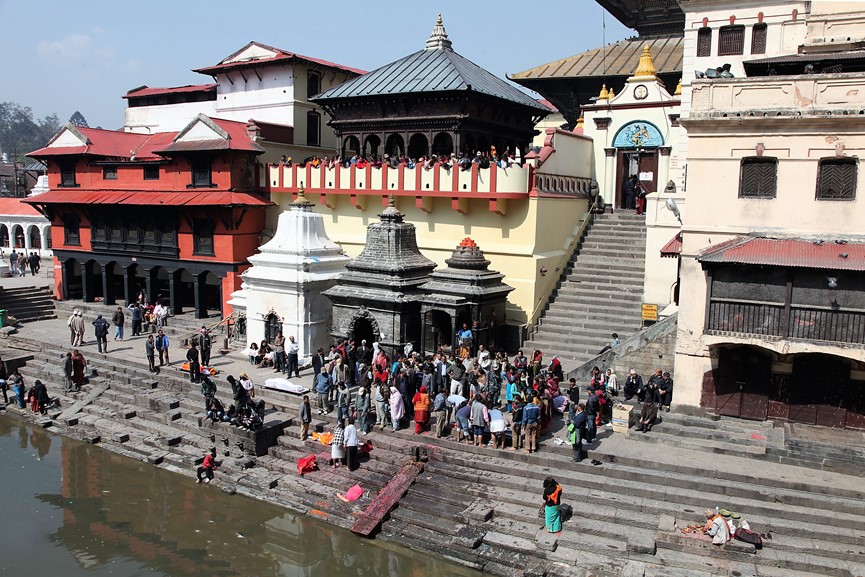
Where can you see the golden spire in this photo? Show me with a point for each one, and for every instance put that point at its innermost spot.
(678, 91)
(580, 121)
(646, 66)
(611, 94)
(604, 95)
(301, 200)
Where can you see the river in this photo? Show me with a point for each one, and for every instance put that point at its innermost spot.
(73, 509)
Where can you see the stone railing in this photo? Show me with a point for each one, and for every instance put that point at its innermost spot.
(779, 95)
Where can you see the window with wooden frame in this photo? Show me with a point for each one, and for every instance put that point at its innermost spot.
(758, 38)
(202, 237)
(313, 83)
(836, 178)
(758, 177)
(67, 173)
(109, 173)
(202, 172)
(731, 40)
(313, 129)
(71, 230)
(151, 173)
(704, 42)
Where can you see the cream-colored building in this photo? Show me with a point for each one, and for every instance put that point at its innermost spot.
(772, 311)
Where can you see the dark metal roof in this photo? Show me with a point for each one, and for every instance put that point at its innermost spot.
(809, 58)
(647, 16)
(430, 70)
(828, 254)
(618, 59)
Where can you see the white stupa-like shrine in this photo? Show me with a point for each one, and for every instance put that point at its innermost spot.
(282, 289)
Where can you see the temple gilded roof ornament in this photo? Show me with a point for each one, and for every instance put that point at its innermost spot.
(646, 67)
(301, 201)
(678, 91)
(439, 38)
(604, 95)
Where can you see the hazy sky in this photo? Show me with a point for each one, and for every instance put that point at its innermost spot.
(61, 56)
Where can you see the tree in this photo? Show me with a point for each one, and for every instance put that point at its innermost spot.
(77, 119)
(20, 133)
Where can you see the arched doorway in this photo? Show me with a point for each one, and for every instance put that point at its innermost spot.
(443, 144)
(483, 144)
(212, 292)
(418, 146)
(350, 147)
(18, 235)
(395, 145)
(72, 278)
(46, 238)
(35, 237)
(363, 326)
(742, 382)
(371, 145)
(4, 236)
(272, 326)
(115, 279)
(438, 331)
(818, 386)
(93, 271)
(183, 290)
(161, 286)
(469, 145)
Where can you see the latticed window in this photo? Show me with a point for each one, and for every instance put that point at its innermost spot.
(758, 177)
(836, 178)
(731, 40)
(704, 42)
(758, 39)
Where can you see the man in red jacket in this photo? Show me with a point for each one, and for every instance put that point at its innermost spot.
(207, 467)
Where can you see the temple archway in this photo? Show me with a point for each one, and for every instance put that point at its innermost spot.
(350, 147)
(35, 237)
(443, 144)
(371, 145)
(363, 326)
(418, 146)
(395, 145)
(18, 235)
(4, 236)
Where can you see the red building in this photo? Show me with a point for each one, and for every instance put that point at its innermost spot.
(173, 214)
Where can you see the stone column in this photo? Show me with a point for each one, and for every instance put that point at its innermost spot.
(107, 287)
(608, 190)
(174, 293)
(86, 282)
(26, 230)
(64, 280)
(127, 293)
(200, 313)
(663, 167)
(149, 278)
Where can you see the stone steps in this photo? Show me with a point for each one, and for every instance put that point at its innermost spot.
(28, 304)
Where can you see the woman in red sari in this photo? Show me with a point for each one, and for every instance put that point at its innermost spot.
(79, 365)
(421, 410)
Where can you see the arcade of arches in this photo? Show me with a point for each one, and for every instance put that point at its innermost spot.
(425, 143)
(25, 236)
(178, 286)
(810, 388)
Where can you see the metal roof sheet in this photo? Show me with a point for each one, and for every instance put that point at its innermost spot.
(14, 207)
(825, 254)
(810, 57)
(430, 70)
(148, 91)
(673, 247)
(149, 198)
(617, 59)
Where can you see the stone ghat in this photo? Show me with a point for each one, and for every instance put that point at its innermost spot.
(479, 507)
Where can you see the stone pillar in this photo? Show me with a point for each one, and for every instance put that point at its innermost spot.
(174, 293)
(663, 167)
(609, 189)
(107, 287)
(149, 278)
(197, 287)
(64, 280)
(127, 290)
(86, 282)
(26, 230)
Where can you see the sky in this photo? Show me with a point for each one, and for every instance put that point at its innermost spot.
(61, 56)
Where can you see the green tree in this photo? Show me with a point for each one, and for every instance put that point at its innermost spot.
(20, 133)
(77, 119)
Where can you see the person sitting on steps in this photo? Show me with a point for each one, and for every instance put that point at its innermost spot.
(648, 415)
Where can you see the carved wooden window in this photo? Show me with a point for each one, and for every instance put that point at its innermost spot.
(704, 42)
(758, 39)
(202, 236)
(313, 83)
(731, 40)
(313, 129)
(758, 177)
(109, 173)
(71, 230)
(67, 173)
(836, 178)
(202, 172)
(151, 173)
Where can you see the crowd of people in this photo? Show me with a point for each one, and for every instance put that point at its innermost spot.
(427, 162)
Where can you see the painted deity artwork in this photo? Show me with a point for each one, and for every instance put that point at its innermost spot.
(639, 134)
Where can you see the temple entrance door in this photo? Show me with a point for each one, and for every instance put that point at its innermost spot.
(817, 388)
(742, 383)
(438, 331)
(272, 325)
(643, 163)
(363, 331)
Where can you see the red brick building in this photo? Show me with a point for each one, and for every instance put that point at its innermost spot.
(172, 214)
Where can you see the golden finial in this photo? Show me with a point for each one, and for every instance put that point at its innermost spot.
(646, 66)
(611, 94)
(301, 199)
(439, 21)
(580, 121)
(678, 91)
(604, 95)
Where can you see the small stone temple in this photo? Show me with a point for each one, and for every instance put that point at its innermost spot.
(283, 288)
(467, 291)
(379, 297)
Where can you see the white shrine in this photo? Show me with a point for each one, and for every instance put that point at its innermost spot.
(282, 289)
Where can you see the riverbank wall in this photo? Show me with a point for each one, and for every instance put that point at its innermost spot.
(477, 506)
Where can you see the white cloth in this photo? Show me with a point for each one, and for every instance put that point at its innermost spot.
(497, 421)
(284, 385)
(350, 436)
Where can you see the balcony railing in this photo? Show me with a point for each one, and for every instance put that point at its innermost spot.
(799, 322)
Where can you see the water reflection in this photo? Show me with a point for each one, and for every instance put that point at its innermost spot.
(90, 512)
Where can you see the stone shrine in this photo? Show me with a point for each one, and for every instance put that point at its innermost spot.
(379, 297)
(464, 292)
(283, 289)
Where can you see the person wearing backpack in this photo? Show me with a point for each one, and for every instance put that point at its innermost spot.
(100, 331)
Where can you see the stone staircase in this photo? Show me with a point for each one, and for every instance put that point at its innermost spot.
(29, 303)
(599, 292)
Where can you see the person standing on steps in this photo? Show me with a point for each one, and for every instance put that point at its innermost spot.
(71, 328)
(162, 348)
(67, 373)
(576, 432)
(194, 366)
(278, 353)
(77, 325)
(351, 443)
(13, 262)
(118, 319)
(136, 312)
(305, 418)
(629, 195)
(531, 424)
(150, 353)
(100, 331)
(205, 343)
(79, 366)
(552, 505)
(293, 354)
(208, 390)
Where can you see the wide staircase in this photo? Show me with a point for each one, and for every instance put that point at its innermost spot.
(29, 303)
(599, 293)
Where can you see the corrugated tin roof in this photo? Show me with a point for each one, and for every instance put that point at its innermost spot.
(281, 57)
(618, 59)
(149, 198)
(14, 207)
(147, 91)
(828, 254)
(809, 58)
(430, 70)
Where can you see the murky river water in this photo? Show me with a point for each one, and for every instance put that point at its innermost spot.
(70, 509)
